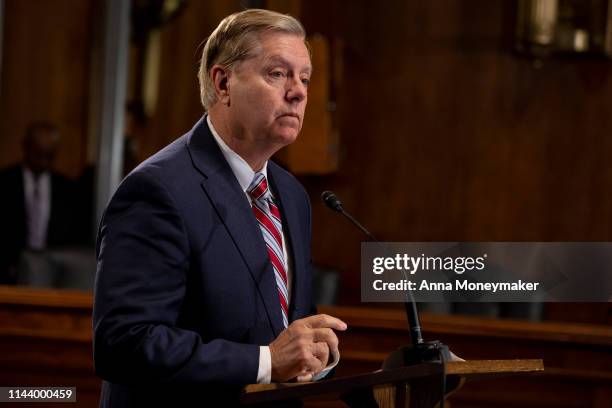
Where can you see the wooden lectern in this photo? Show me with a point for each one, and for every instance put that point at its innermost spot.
(417, 386)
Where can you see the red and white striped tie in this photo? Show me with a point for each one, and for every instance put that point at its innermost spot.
(269, 220)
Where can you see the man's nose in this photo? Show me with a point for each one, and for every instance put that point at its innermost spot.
(296, 90)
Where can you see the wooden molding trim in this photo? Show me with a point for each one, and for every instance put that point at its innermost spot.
(395, 319)
(51, 298)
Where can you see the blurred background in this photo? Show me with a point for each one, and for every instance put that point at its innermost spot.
(441, 120)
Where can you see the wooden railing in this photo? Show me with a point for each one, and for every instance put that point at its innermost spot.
(45, 338)
(577, 357)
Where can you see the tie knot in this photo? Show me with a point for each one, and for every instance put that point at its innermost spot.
(259, 187)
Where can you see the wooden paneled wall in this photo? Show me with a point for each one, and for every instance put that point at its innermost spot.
(446, 135)
(45, 75)
(178, 106)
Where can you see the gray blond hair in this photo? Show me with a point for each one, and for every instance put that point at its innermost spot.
(235, 40)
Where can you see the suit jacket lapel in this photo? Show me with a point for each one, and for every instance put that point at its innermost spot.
(225, 194)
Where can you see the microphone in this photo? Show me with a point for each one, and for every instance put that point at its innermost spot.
(420, 351)
(334, 203)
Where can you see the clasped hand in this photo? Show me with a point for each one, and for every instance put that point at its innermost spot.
(303, 349)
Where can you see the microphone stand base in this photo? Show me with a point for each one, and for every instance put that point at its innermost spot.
(426, 352)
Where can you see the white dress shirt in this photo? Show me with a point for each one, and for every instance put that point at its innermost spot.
(245, 174)
(37, 194)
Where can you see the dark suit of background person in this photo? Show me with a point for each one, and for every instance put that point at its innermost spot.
(39, 152)
(185, 293)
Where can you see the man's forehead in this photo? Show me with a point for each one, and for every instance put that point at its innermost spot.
(281, 60)
(283, 48)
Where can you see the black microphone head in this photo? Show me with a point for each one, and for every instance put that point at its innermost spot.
(331, 201)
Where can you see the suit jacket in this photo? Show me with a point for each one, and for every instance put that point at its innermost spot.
(60, 230)
(185, 293)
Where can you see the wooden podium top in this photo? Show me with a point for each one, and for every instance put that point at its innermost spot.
(467, 370)
(475, 368)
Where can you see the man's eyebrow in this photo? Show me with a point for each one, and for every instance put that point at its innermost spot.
(277, 59)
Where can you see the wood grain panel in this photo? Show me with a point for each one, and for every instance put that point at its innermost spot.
(178, 106)
(45, 74)
(446, 135)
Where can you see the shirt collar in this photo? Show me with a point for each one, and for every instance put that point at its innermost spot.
(31, 178)
(241, 169)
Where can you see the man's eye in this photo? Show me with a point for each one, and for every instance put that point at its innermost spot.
(306, 81)
(277, 74)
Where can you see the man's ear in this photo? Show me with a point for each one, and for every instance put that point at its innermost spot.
(220, 76)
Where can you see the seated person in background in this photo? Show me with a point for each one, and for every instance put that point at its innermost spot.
(35, 209)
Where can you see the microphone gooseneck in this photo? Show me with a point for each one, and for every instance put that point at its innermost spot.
(420, 351)
(412, 314)
(334, 204)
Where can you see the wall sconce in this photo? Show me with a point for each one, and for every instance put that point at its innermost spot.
(566, 27)
(148, 19)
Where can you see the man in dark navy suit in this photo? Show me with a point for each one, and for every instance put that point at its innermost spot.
(204, 282)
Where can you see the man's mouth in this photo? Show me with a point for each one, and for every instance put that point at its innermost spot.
(291, 115)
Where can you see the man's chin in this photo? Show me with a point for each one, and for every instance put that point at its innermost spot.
(287, 136)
